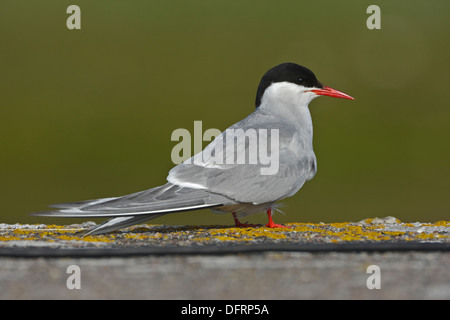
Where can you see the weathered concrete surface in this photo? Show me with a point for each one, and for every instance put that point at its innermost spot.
(291, 275)
(370, 230)
(263, 275)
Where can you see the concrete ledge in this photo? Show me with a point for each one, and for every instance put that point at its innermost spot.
(307, 261)
(354, 235)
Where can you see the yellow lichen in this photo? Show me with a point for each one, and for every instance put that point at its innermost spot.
(333, 232)
(425, 236)
(442, 223)
(394, 233)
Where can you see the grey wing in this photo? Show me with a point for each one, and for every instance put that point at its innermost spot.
(138, 207)
(150, 203)
(247, 182)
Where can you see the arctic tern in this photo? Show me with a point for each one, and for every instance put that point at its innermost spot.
(201, 182)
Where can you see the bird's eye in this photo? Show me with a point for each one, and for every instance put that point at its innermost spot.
(300, 79)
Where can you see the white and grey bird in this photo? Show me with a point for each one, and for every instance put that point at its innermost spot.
(282, 100)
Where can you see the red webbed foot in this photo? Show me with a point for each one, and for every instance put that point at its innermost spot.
(272, 224)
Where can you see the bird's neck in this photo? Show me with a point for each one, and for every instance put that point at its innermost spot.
(287, 104)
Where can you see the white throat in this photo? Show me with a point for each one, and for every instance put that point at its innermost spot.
(289, 101)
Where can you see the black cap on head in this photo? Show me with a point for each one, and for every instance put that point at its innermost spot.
(287, 72)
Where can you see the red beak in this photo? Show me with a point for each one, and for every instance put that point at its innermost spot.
(327, 91)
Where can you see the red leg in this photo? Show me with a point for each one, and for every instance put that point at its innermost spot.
(272, 224)
(240, 224)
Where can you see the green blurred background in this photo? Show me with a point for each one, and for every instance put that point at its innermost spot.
(89, 113)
